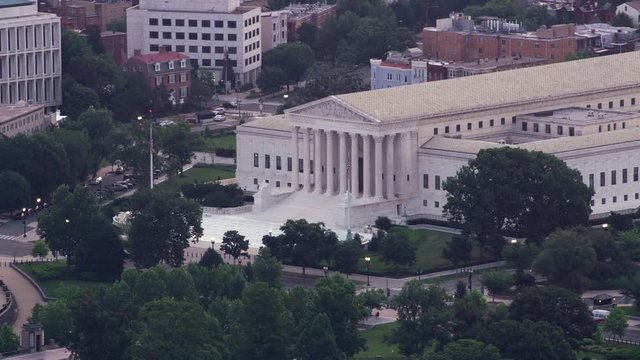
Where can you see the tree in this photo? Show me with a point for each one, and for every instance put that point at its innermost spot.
(622, 19)
(620, 222)
(470, 313)
(161, 322)
(162, 226)
(93, 38)
(372, 298)
(118, 25)
(97, 124)
(20, 194)
(527, 340)
(496, 282)
(565, 260)
(557, 306)
(267, 268)
(56, 318)
(520, 255)
(177, 144)
(423, 316)
(40, 249)
(525, 192)
(616, 323)
(632, 288)
(211, 259)
(235, 245)
(9, 341)
(383, 223)
(77, 97)
(347, 256)
(78, 149)
(201, 92)
(630, 243)
(458, 250)
(336, 297)
(262, 329)
(397, 249)
(468, 349)
(180, 286)
(308, 34)
(302, 243)
(271, 79)
(292, 58)
(317, 340)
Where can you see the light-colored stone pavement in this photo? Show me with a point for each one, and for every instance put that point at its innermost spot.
(25, 295)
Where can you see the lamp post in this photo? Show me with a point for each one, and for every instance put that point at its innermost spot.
(238, 101)
(261, 102)
(24, 221)
(213, 243)
(367, 260)
(270, 232)
(470, 278)
(326, 271)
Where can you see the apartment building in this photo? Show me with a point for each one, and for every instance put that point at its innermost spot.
(30, 58)
(274, 29)
(211, 33)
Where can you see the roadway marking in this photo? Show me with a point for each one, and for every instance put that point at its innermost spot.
(7, 237)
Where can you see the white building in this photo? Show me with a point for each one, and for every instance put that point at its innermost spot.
(394, 147)
(632, 9)
(398, 69)
(30, 58)
(204, 30)
(274, 29)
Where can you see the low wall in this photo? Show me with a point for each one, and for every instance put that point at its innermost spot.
(9, 310)
(33, 282)
(208, 211)
(265, 198)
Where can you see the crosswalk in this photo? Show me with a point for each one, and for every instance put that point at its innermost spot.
(7, 237)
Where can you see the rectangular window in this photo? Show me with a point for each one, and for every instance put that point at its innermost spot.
(624, 176)
(626, 197)
(425, 202)
(599, 106)
(479, 124)
(468, 126)
(166, 35)
(513, 119)
(218, 50)
(436, 204)
(193, 23)
(572, 131)
(153, 22)
(232, 37)
(180, 35)
(180, 48)
(166, 22)
(524, 126)
(502, 121)
(635, 173)
(591, 181)
(193, 49)
(218, 23)
(602, 179)
(491, 123)
(206, 62)
(615, 199)
(446, 129)
(301, 165)
(559, 130)
(435, 131)
(153, 47)
(193, 36)
(437, 182)
(206, 36)
(613, 177)
(610, 104)
(232, 50)
(458, 128)
(536, 127)
(425, 181)
(604, 201)
(267, 162)
(153, 34)
(218, 37)
(206, 23)
(256, 160)
(621, 103)
(179, 22)
(633, 101)
(278, 163)
(231, 24)
(289, 164)
(206, 49)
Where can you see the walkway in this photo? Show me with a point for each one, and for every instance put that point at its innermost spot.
(24, 294)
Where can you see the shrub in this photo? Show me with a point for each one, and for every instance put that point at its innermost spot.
(214, 195)
(222, 152)
(48, 271)
(383, 223)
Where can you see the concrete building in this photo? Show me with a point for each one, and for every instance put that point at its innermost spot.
(604, 39)
(30, 58)
(23, 118)
(204, 30)
(631, 9)
(169, 69)
(115, 44)
(301, 13)
(274, 29)
(392, 148)
(458, 39)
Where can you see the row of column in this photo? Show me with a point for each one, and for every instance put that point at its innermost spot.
(385, 171)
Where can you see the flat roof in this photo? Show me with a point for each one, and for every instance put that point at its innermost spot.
(432, 99)
(497, 63)
(10, 112)
(580, 116)
(276, 122)
(12, 3)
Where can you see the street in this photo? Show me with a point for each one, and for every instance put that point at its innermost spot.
(57, 354)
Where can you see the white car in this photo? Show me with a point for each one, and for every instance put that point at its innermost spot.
(219, 111)
(219, 118)
(95, 181)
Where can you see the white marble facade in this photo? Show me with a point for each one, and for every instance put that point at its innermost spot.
(394, 165)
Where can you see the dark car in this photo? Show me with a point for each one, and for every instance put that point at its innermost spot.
(229, 105)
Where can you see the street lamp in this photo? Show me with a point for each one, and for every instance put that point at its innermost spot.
(24, 221)
(270, 232)
(368, 260)
(470, 278)
(326, 271)
(605, 226)
(213, 243)
(514, 241)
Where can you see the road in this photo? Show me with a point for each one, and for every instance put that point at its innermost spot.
(58, 354)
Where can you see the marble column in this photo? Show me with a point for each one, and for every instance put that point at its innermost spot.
(317, 160)
(306, 162)
(390, 170)
(343, 163)
(378, 166)
(354, 165)
(366, 168)
(295, 176)
(330, 164)
(406, 161)
(413, 164)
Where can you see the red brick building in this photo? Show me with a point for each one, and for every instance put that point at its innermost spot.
(78, 14)
(596, 12)
(302, 13)
(115, 44)
(448, 43)
(165, 68)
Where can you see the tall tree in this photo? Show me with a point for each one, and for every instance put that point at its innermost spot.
(397, 249)
(271, 79)
(622, 19)
(616, 323)
(468, 349)
(348, 254)
(496, 282)
(162, 227)
(526, 192)
(78, 149)
(293, 59)
(177, 144)
(458, 250)
(235, 245)
(267, 268)
(423, 316)
(20, 194)
(9, 341)
(317, 341)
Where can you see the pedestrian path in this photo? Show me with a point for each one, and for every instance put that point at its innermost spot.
(7, 237)
(24, 293)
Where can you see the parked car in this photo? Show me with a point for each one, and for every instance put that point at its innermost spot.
(119, 170)
(230, 105)
(219, 118)
(219, 111)
(95, 181)
(118, 187)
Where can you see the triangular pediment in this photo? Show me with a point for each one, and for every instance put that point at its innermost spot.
(331, 108)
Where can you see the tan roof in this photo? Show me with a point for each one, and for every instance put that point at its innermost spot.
(276, 122)
(571, 143)
(458, 145)
(633, 4)
(495, 89)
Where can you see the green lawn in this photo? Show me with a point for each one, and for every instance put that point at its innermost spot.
(428, 254)
(53, 287)
(375, 342)
(205, 174)
(60, 277)
(225, 141)
(630, 310)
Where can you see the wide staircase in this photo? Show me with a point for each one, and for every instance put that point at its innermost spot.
(304, 205)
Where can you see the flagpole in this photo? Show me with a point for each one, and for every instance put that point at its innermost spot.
(349, 190)
(151, 154)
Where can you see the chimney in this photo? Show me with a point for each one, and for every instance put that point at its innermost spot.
(137, 52)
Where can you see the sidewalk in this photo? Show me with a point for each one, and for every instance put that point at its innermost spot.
(24, 294)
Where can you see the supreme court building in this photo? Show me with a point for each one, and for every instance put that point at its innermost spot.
(391, 149)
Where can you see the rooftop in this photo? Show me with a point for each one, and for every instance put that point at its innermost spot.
(160, 57)
(581, 116)
(497, 89)
(276, 122)
(499, 62)
(633, 4)
(10, 112)
(11, 3)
